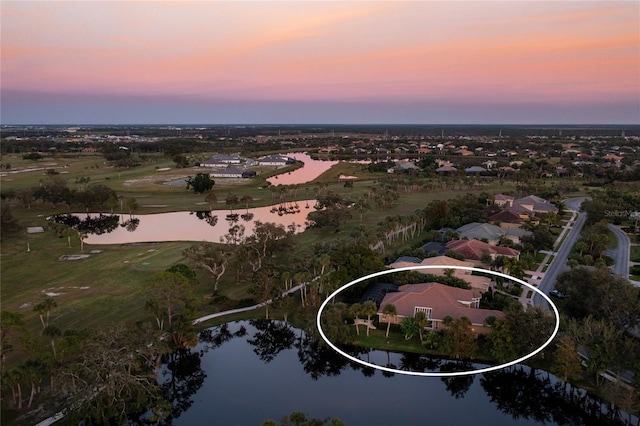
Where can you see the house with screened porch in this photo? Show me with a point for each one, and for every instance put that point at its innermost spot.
(438, 301)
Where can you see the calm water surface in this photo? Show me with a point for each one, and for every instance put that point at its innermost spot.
(311, 170)
(201, 226)
(245, 372)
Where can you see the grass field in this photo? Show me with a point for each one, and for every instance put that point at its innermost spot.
(105, 288)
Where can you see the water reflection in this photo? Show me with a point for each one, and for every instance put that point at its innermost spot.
(311, 170)
(183, 226)
(257, 364)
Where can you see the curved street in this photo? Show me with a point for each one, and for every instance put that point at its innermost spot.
(621, 253)
(559, 262)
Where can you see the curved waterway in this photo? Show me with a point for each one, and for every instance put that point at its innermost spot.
(311, 170)
(200, 226)
(246, 372)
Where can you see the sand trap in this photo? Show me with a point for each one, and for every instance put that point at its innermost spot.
(74, 256)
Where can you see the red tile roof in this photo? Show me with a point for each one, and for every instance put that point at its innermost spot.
(473, 249)
(442, 299)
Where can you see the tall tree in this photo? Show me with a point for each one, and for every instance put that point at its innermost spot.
(201, 183)
(369, 309)
(114, 377)
(390, 313)
(211, 257)
(172, 292)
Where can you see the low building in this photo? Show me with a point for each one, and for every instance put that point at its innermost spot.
(438, 301)
(232, 172)
(221, 159)
(275, 160)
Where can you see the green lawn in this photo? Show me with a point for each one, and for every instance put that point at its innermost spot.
(635, 254)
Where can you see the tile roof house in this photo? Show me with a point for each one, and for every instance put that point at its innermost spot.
(446, 170)
(535, 204)
(438, 301)
(477, 282)
(475, 170)
(491, 233)
(474, 249)
(507, 219)
(502, 200)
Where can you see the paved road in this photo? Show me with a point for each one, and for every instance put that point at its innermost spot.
(559, 262)
(621, 253)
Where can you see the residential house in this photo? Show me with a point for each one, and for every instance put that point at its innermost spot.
(475, 170)
(490, 233)
(507, 219)
(474, 249)
(438, 301)
(503, 200)
(446, 170)
(535, 204)
(440, 264)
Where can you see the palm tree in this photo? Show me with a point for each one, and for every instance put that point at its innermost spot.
(369, 308)
(324, 260)
(581, 246)
(52, 331)
(389, 310)
(422, 321)
(355, 311)
(44, 308)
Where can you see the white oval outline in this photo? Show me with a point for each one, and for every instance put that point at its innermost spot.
(442, 374)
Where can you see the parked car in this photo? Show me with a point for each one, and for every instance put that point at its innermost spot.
(557, 294)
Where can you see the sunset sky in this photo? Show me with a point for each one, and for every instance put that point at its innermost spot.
(423, 62)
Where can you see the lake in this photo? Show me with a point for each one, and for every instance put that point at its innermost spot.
(246, 372)
(311, 170)
(199, 226)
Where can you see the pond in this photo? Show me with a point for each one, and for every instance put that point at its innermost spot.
(196, 226)
(246, 372)
(311, 170)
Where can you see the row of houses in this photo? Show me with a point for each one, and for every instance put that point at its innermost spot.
(222, 160)
(234, 166)
(439, 301)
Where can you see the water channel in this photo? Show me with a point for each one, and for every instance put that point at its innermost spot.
(198, 225)
(311, 170)
(246, 372)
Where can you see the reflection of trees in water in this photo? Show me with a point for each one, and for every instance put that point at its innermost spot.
(518, 391)
(183, 377)
(285, 208)
(527, 393)
(101, 224)
(131, 224)
(232, 218)
(319, 360)
(272, 338)
(247, 217)
(457, 385)
(417, 362)
(207, 216)
(214, 337)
